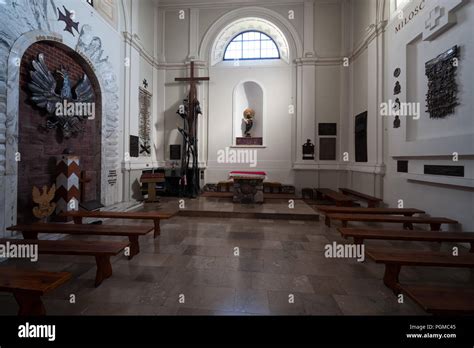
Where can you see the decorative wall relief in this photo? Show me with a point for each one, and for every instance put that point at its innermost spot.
(67, 17)
(91, 48)
(397, 89)
(396, 122)
(441, 98)
(68, 108)
(144, 122)
(44, 200)
(397, 72)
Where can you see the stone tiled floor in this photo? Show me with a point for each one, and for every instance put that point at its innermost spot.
(194, 260)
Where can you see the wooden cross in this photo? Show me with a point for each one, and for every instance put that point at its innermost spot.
(192, 98)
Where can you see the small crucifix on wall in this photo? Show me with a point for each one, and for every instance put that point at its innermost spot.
(145, 83)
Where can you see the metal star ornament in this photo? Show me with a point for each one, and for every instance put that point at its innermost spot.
(67, 18)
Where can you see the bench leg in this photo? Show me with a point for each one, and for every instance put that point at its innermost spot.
(30, 304)
(327, 221)
(157, 231)
(104, 269)
(134, 246)
(390, 278)
(30, 235)
(407, 226)
(358, 240)
(77, 220)
(472, 247)
(435, 227)
(344, 223)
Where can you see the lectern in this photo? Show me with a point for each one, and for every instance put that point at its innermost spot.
(152, 179)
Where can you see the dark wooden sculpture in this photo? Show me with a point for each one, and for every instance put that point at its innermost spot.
(189, 113)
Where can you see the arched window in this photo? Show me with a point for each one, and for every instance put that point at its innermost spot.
(251, 45)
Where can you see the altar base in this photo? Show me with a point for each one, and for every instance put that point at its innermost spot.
(248, 190)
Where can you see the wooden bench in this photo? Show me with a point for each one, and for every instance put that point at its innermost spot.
(131, 215)
(132, 232)
(372, 201)
(394, 260)
(441, 300)
(358, 210)
(28, 286)
(272, 187)
(360, 234)
(102, 251)
(338, 198)
(225, 186)
(307, 193)
(407, 221)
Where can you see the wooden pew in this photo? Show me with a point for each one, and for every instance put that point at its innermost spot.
(358, 210)
(132, 232)
(394, 260)
(102, 251)
(372, 201)
(360, 234)
(441, 300)
(28, 286)
(131, 215)
(407, 221)
(338, 198)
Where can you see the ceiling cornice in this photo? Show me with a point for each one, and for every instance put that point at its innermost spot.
(173, 4)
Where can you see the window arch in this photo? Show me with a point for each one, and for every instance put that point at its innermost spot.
(251, 45)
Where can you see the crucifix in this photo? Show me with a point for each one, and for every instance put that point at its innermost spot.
(193, 103)
(189, 112)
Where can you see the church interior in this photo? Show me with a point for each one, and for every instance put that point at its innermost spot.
(236, 157)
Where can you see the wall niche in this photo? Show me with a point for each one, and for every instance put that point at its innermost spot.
(40, 148)
(248, 95)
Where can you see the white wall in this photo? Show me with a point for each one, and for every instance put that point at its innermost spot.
(428, 141)
(319, 32)
(277, 136)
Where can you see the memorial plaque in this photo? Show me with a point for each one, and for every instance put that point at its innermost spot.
(175, 152)
(327, 149)
(361, 137)
(444, 170)
(249, 141)
(327, 128)
(134, 146)
(402, 166)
